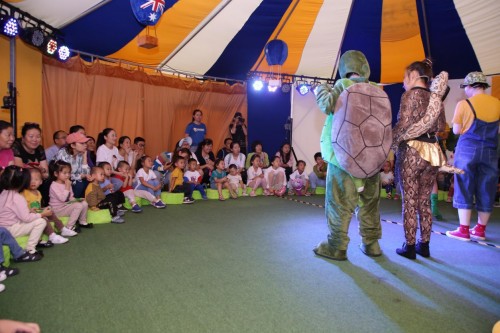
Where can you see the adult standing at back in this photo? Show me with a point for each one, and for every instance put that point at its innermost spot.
(6, 141)
(476, 119)
(238, 130)
(196, 130)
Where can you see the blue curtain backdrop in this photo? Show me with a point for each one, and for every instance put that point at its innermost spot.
(267, 116)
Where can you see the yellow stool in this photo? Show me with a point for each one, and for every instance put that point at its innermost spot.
(172, 198)
(100, 216)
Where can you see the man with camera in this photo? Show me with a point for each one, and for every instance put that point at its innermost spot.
(238, 130)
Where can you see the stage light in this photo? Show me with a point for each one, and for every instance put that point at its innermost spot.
(272, 88)
(33, 36)
(63, 53)
(258, 85)
(273, 85)
(303, 88)
(9, 26)
(51, 46)
(285, 88)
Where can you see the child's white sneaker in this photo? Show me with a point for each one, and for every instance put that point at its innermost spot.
(2, 287)
(3, 276)
(68, 232)
(56, 239)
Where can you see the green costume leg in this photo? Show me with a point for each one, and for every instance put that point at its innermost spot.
(368, 215)
(340, 200)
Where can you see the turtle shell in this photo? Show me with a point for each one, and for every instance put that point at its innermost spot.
(362, 129)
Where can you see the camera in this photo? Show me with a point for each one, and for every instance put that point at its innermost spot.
(240, 119)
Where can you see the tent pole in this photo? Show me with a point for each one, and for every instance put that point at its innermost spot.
(336, 66)
(426, 28)
(12, 86)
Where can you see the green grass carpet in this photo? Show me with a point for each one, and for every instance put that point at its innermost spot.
(247, 265)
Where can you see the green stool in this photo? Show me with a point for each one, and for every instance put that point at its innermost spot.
(64, 220)
(172, 198)
(197, 195)
(442, 195)
(214, 195)
(100, 216)
(143, 202)
(22, 241)
(322, 190)
(258, 191)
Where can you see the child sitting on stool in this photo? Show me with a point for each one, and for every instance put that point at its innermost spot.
(177, 184)
(96, 199)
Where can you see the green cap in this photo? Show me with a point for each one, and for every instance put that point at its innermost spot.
(474, 77)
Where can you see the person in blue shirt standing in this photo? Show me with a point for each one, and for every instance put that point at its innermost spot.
(196, 130)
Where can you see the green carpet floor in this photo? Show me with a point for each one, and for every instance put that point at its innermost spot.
(247, 265)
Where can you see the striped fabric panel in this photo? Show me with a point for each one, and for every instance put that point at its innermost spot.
(207, 45)
(322, 47)
(295, 33)
(174, 27)
(481, 20)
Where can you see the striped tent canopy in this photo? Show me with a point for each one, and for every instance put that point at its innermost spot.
(227, 38)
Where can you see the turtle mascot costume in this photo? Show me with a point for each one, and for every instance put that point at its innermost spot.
(355, 142)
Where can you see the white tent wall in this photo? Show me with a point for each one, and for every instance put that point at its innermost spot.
(308, 121)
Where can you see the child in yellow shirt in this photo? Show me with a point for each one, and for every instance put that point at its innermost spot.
(177, 184)
(34, 199)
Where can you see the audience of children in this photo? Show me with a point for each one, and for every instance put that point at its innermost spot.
(235, 182)
(387, 179)
(63, 202)
(177, 183)
(97, 199)
(218, 178)
(255, 175)
(126, 179)
(318, 176)
(299, 181)
(193, 177)
(34, 199)
(15, 215)
(275, 178)
(147, 182)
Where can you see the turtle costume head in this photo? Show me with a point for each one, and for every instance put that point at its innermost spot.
(354, 62)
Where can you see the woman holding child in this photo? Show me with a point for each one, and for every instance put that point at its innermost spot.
(75, 153)
(206, 158)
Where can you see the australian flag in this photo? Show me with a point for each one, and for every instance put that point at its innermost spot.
(148, 12)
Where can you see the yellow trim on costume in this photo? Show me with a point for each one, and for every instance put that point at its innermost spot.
(431, 152)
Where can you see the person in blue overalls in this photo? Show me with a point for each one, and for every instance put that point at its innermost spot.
(476, 119)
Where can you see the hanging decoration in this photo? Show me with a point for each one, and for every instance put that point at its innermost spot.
(148, 12)
(276, 54)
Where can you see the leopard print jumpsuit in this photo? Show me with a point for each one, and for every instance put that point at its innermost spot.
(415, 175)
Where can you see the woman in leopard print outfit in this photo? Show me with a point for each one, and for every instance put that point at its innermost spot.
(417, 159)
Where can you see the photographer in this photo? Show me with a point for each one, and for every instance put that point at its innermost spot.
(238, 130)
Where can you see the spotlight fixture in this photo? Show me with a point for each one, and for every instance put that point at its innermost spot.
(51, 46)
(9, 26)
(63, 53)
(273, 85)
(33, 36)
(258, 85)
(303, 88)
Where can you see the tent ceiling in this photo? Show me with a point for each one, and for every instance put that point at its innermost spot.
(226, 38)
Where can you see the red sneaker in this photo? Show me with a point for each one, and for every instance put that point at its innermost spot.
(458, 234)
(478, 232)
